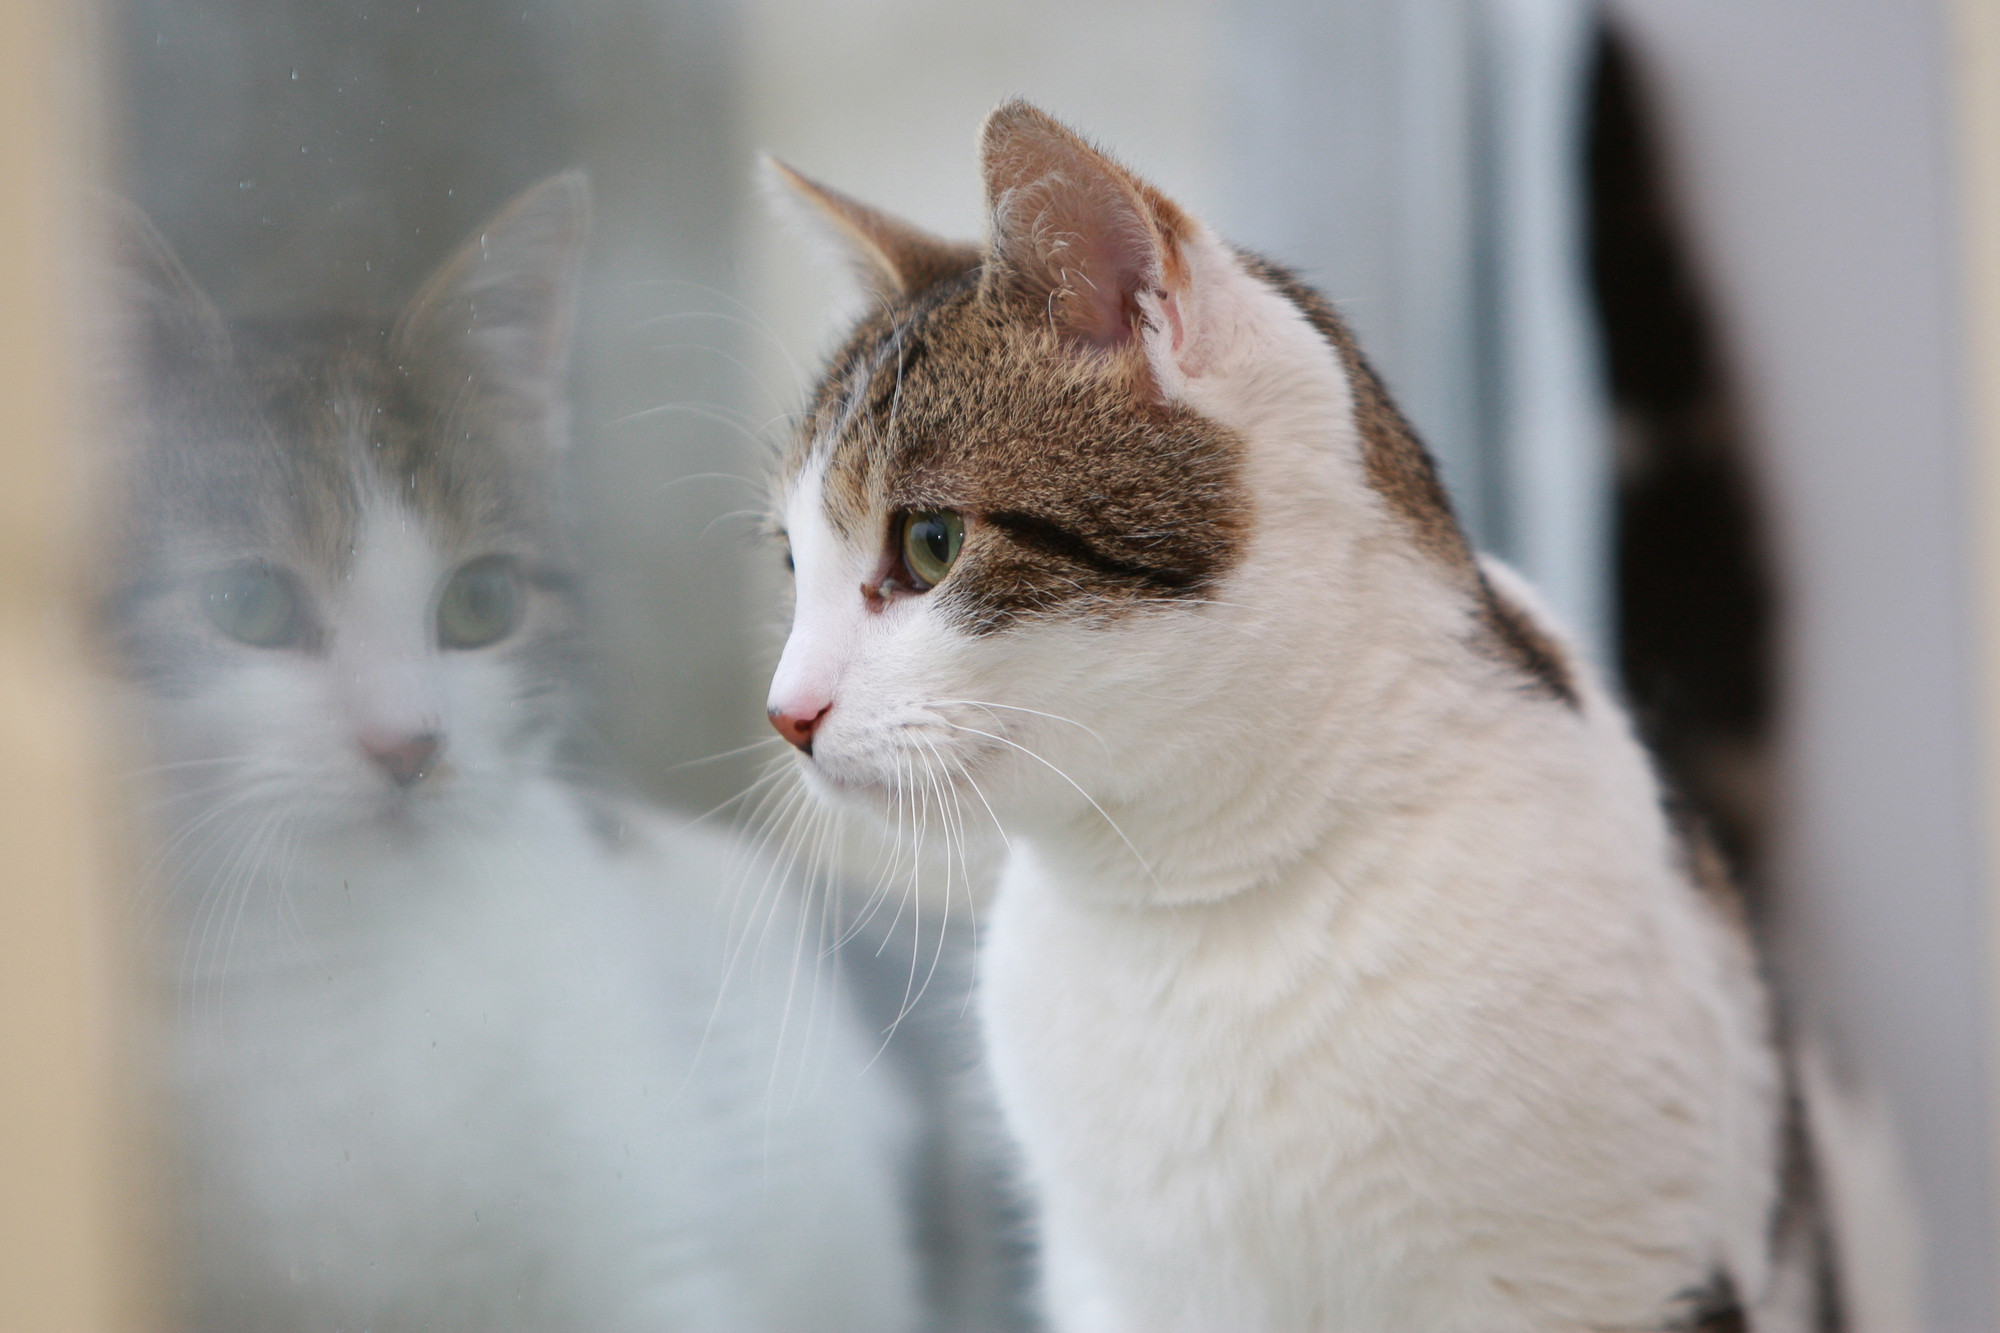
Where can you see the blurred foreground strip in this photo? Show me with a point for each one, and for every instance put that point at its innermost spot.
(69, 1253)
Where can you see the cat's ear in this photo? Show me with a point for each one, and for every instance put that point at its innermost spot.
(506, 301)
(158, 321)
(1077, 235)
(893, 258)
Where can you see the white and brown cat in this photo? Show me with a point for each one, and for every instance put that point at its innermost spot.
(1347, 971)
(455, 1045)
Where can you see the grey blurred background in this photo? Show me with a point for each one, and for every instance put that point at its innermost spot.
(1419, 159)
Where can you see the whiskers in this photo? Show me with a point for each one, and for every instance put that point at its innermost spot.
(815, 880)
(902, 881)
(998, 736)
(227, 841)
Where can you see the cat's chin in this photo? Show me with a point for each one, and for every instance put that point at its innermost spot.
(850, 785)
(401, 816)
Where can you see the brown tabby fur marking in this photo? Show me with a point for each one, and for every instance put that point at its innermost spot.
(956, 400)
(1401, 471)
(955, 390)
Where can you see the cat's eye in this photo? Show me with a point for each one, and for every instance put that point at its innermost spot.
(257, 605)
(481, 603)
(931, 541)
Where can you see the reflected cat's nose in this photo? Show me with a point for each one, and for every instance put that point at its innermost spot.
(406, 759)
(798, 725)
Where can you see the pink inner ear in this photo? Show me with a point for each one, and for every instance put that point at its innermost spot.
(1077, 232)
(1170, 304)
(1101, 256)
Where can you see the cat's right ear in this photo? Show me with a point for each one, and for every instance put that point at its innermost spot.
(893, 259)
(159, 323)
(505, 302)
(1083, 242)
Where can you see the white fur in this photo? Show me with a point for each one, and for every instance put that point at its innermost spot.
(1335, 981)
(450, 1059)
(1875, 1225)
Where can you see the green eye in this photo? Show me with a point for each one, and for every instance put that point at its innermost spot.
(931, 542)
(481, 603)
(257, 605)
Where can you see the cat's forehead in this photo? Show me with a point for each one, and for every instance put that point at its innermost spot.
(315, 427)
(1092, 496)
(959, 400)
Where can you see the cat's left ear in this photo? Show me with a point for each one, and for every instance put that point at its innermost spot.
(506, 300)
(894, 259)
(1082, 240)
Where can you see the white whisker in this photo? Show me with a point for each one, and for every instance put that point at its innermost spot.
(1105, 815)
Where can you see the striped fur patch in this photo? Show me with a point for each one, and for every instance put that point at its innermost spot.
(1083, 498)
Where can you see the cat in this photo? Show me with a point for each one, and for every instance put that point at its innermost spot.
(453, 1043)
(1346, 971)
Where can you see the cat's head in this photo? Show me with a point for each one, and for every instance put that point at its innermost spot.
(1100, 500)
(340, 587)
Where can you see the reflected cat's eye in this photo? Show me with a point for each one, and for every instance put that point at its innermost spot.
(481, 604)
(931, 541)
(257, 605)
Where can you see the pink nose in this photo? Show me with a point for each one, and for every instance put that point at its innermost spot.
(798, 727)
(406, 759)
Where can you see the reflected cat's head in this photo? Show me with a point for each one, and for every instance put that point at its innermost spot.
(341, 587)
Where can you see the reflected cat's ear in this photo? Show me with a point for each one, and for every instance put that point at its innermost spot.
(506, 300)
(893, 258)
(159, 322)
(1076, 234)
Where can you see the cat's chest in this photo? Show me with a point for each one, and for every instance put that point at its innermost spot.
(1304, 1104)
(1222, 1044)
(489, 1062)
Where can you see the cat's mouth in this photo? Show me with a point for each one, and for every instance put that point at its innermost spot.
(837, 776)
(401, 807)
(926, 767)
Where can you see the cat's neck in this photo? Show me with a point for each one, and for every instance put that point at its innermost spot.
(1337, 761)
(1333, 689)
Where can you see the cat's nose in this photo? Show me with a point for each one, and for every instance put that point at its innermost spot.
(406, 759)
(797, 724)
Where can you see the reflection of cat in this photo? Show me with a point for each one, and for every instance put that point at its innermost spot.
(454, 1046)
(1345, 973)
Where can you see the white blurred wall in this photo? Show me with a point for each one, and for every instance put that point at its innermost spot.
(1814, 148)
